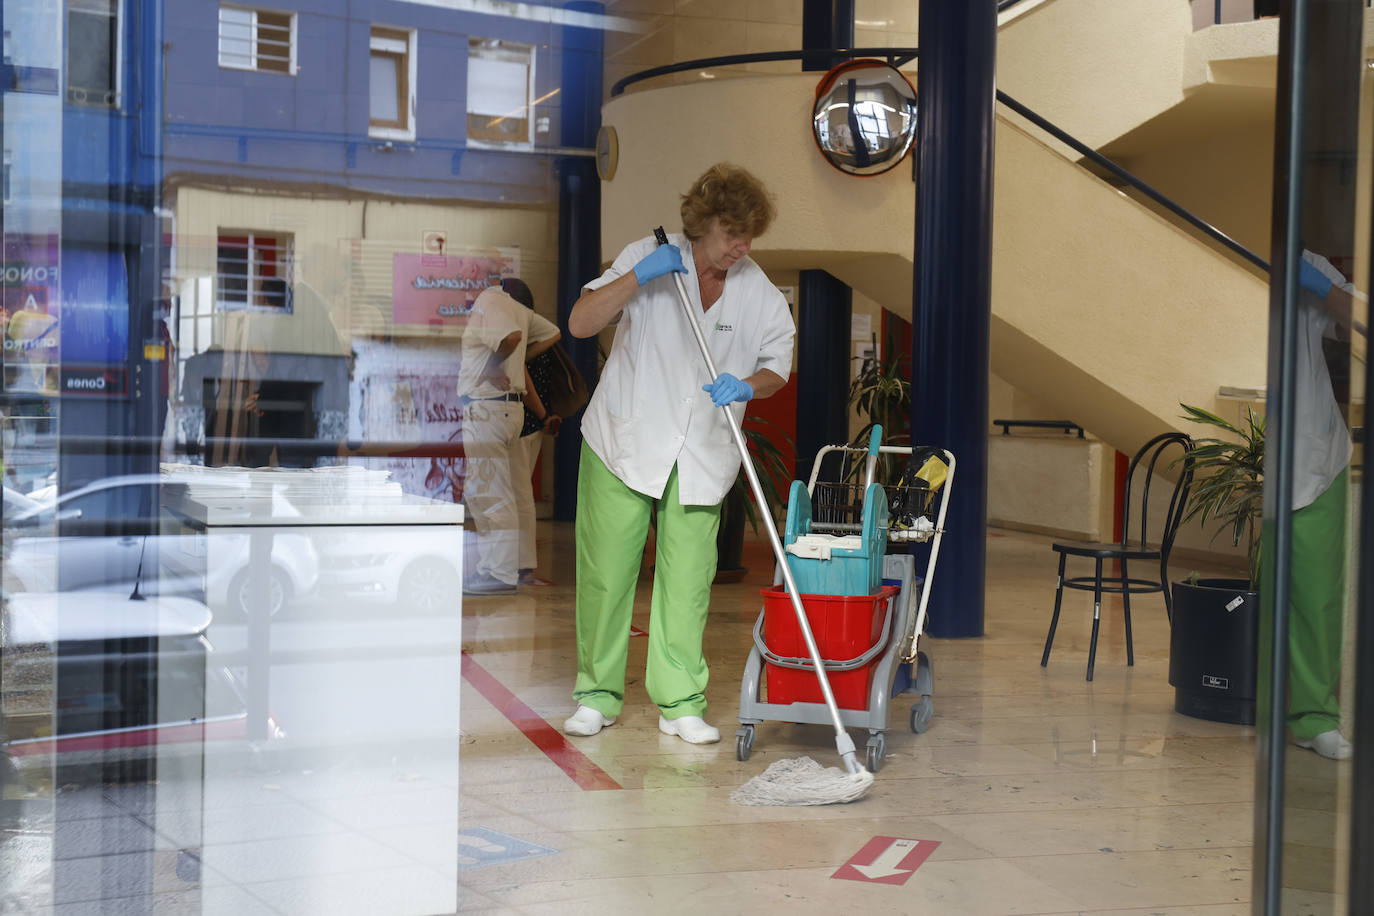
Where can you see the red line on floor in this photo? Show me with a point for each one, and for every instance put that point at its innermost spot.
(542, 735)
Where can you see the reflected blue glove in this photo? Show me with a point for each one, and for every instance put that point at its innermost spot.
(665, 259)
(727, 389)
(1312, 279)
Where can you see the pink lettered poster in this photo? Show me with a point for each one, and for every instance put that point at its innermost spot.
(437, 290)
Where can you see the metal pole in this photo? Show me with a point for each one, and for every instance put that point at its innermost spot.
(843, 742)
(579, 228)
(1276, 587)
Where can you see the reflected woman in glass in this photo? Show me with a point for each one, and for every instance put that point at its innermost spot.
(1321, 486)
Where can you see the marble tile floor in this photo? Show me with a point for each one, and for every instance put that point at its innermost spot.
(1046, 794)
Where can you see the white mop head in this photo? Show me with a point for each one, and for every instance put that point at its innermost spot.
(803, 781)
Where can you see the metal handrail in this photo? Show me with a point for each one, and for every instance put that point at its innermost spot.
(895, 56)
(1083, 149)
(1067, 426)
(907, 54)
(285, 447)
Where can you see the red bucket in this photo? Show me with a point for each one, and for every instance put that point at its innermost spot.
(844, 626)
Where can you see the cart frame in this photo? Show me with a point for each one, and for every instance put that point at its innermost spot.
(901, 658)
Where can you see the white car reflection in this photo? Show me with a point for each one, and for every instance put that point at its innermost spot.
(114, 538)
(16, 502)
(416, 567)
(65, 706)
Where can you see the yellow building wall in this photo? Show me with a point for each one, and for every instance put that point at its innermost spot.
(342, 259)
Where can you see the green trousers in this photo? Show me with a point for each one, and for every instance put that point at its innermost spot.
(612, 525)
(1316, 612)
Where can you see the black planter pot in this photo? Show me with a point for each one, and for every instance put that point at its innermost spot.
(1214, 648)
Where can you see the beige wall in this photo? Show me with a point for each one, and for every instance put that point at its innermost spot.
(681, 30)
(1007, 402)
(1102, 311)
(1097, 69)
(343, 255)
(343, 250)
(1225, 177)
(1066, 487)
(1051, 485)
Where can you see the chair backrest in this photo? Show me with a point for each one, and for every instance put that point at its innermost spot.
(1146, 461)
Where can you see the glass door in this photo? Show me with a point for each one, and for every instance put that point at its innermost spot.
(1308, 736)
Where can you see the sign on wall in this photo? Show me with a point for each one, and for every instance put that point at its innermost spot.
(30, 325)
(407, 391)
(438, 290)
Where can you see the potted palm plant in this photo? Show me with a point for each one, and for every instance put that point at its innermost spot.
(1213, 644)
(738, 508)
(881, 395)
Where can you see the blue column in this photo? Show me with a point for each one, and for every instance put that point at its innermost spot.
(951, 307)
(824, 307)
(579, 228)
(826, 24)
(824, 304)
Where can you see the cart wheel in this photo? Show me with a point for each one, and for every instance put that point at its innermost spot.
(920, 715)
(877, 748)
(744, 742)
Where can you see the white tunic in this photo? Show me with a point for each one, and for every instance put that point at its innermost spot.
(1321, 442)
(648, 412)
(494, 316)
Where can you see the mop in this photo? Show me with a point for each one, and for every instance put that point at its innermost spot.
(800, 781)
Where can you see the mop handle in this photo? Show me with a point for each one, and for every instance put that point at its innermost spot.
(875, 442)
(841, 736)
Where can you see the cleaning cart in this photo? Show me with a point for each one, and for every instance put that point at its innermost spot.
(864, 604)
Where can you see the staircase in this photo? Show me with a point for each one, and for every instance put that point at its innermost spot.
(1102, 310)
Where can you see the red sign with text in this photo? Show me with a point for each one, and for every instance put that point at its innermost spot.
(438, 289)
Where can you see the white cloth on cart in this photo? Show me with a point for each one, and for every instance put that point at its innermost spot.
(820, 546)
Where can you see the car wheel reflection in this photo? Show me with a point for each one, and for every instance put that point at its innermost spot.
(278, 593)
(428, 585)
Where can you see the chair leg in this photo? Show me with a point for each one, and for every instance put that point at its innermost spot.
(1126, 603)
(1097, 618)
(1054, 621)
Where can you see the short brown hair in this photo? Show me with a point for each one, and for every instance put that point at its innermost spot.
(732, 195)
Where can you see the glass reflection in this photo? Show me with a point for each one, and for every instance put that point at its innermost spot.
(864, 120)
(1329, 363)
(272, 326)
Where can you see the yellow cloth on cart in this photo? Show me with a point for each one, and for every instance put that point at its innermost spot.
(933, 472)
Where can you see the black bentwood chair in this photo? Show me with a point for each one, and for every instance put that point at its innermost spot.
(1138, 549)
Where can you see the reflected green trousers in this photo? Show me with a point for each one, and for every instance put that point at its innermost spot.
(1316, 612)
(612, 526)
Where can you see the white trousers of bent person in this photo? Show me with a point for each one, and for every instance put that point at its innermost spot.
(491, 430)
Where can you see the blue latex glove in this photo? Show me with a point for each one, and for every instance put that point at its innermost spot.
(727, 389)
(665, 259)
(1312, 279)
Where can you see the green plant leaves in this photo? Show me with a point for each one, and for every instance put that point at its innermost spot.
(1228, 479)
(881, 392)
(774, 475)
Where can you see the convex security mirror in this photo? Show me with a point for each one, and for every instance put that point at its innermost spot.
(865, 117)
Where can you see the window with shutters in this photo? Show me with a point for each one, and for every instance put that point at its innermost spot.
(500, 93)
(93, 53)
(391, 84)
(257, 39)
(254, 270)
